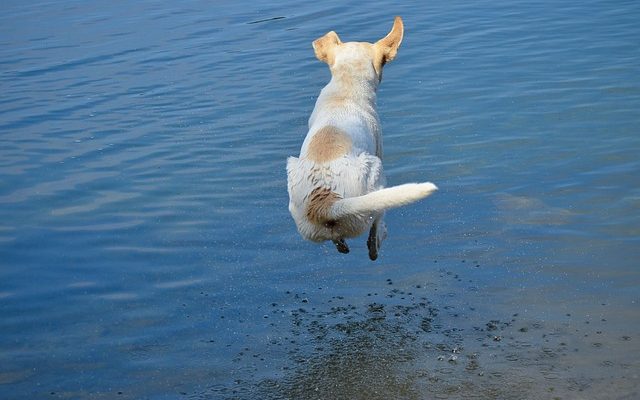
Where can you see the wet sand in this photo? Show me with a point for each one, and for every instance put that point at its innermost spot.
(432, 340)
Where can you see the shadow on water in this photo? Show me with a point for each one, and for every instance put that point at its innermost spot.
(408, 344)
(435, 340)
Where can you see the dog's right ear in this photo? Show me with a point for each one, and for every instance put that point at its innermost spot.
(325, 47)
(388, 46)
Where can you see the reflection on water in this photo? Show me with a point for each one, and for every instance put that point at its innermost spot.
(520, 210)
(144, 232)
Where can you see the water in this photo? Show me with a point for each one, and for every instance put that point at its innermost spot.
(146, 250)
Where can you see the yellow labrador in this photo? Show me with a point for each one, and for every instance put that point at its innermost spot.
(336, 185)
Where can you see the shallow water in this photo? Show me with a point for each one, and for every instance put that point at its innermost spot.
(146, 250)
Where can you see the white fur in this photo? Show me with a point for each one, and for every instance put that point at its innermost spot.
(382, 199)
(348, 102)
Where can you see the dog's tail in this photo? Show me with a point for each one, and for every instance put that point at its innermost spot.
(382, 199)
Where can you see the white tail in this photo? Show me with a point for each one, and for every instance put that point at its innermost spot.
(382, 199)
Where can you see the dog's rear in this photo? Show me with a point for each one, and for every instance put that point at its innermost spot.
(336, 186)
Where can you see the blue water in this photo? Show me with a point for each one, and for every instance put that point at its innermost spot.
(146, 250)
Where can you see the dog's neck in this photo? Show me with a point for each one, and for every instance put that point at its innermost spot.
(358, 84)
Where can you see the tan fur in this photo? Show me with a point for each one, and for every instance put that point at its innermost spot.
(343, 74)
(386, 49)
(390, 43)
(324, 47)
(320, 201)
(328, 144)
(383, 51)
(337, 101)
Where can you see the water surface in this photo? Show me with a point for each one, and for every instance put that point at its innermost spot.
(146, 250)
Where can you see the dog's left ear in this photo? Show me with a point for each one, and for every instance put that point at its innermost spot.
(325, 46)
(388, 46)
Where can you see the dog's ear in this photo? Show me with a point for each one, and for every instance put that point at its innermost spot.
(325, 46)
(388, 46)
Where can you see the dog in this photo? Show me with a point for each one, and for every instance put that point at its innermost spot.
(336, 185)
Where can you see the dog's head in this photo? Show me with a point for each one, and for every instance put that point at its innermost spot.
(360, 58)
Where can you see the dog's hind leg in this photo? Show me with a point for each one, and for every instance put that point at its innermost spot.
(341, 245)
(372, 242)
(377, 234)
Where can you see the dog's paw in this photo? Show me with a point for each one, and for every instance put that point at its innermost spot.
(373, 253)
(373, 244)
(341, 245)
